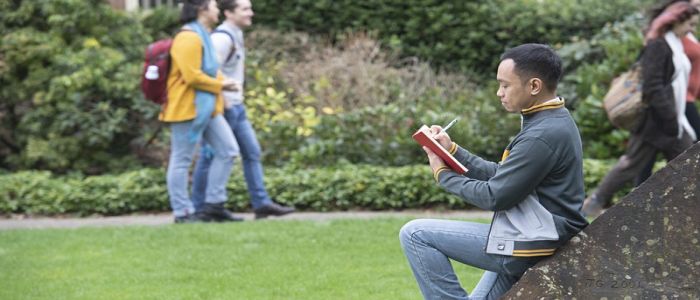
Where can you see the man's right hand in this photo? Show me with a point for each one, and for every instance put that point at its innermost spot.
(441, 136)
(231, 84)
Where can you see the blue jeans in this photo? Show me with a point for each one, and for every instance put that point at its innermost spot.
(430, 244)
(219, 136)
(250, 152)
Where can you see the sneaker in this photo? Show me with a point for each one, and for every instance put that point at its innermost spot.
(272, 209)
(187, 219)
(215, 212)
(592, 207)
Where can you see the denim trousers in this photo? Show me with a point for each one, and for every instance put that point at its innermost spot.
(430, 244)
(636, 165)
(250, 153)
(219, 136)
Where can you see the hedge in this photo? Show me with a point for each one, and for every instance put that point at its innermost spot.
(468, 34)
(320, 189)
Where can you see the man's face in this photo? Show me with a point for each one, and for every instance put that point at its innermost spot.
(242, 15)
(514, 94)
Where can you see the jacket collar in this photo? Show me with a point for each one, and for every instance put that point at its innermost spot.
(551, 104)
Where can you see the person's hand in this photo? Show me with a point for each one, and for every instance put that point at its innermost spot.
(441, 136)
(231, 84)
(435, 160)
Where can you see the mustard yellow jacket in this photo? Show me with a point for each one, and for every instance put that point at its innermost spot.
(185, 77)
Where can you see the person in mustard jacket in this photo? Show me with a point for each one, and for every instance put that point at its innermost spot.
(194, 112)
(230, 48)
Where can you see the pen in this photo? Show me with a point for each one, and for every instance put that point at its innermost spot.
(450, 124)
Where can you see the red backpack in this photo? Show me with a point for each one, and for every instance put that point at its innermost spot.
(154, 80)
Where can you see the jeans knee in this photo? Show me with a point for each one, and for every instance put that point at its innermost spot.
(228, 153)
(251, 154)
(409, 231)
(180, 162)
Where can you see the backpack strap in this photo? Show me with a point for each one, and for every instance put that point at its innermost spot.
(233, 43)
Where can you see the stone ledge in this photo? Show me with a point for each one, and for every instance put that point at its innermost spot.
(645, 247)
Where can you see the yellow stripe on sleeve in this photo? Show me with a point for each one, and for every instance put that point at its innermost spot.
(533, 252)
(505, 155)
(453, 148)
(438, 171)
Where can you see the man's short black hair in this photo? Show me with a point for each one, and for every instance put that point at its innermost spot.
(190, 10)
(536, 60)
(227, 5)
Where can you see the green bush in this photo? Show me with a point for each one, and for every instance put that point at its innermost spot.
(381, 135)
(369, 103)
(320, 189)
(37, 192)
(161, 22)
(69, 80)
(342, 187)
(374, 135)
(591, 65)
(468, 34)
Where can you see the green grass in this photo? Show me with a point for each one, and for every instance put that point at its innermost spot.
(341, 259)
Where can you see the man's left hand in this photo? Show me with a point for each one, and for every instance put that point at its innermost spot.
(435, 160)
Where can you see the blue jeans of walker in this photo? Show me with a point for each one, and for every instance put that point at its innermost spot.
(250, 153)
(219, 136)
(430, 244)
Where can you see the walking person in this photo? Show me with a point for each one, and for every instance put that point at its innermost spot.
(665, 129)
(691, 47)
(692, 50)
(536, 190)
(230, 49)
(194, 112)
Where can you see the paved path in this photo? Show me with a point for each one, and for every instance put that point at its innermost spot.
(19, 222)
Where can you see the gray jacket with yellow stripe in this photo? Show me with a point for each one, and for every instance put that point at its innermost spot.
(536, 191)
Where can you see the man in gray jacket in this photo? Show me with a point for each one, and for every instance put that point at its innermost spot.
(230, 50)
(536, 190)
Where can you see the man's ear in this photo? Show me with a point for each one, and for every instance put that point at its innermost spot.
(226, 13)
(536, 86)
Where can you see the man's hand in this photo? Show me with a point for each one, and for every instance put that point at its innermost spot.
(435, 160)
(441, 136)
(231, 84)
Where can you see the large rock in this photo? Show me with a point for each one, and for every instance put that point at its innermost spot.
(645, 247)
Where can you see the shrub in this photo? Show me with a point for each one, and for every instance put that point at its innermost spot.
(268, 101)
(319, 189)
(161, 22)
(369, 103)
(381, 135)
(342, 187)
(70, 90)
(358, 73)
(467, 34)
(591, 65)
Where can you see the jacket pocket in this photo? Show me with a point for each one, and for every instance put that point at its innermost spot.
(527, 221)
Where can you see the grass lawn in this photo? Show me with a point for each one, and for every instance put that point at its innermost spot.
(340, 259)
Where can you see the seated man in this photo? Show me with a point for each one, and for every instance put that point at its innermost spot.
(536, 191)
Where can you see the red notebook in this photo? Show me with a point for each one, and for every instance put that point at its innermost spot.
(424, 137)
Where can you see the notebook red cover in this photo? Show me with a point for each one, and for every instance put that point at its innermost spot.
(424, 137)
